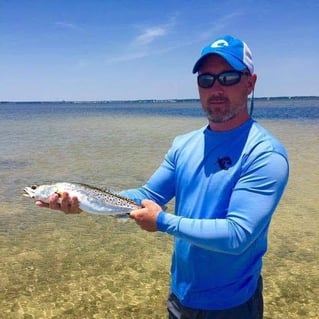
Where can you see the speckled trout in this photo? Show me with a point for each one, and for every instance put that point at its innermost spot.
(91, 199)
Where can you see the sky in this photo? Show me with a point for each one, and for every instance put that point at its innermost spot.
(85, 50)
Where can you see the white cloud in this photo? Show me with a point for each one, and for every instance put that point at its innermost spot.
(139, 47)
(150, 34)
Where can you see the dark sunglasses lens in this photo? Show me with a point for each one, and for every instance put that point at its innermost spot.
(229, 78)
(205, 80)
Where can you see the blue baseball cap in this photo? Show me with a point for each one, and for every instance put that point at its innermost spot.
(234, 51)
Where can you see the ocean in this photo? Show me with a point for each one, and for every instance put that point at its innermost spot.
(87, 266)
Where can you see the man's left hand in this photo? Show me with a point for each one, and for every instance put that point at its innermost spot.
(146, 217)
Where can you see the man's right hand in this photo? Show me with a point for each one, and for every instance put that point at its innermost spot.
(63, 203)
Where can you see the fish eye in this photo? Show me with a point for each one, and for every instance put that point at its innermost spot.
(34, 187)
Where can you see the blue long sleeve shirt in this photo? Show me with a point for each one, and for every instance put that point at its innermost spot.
(226, 187)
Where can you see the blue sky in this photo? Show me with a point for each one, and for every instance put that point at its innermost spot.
(122, 49)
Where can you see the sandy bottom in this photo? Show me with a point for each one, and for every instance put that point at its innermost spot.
(86, 266)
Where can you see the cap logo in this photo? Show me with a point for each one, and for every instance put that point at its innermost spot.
(219, 43)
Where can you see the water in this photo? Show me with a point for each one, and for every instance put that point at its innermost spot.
(273, 108)
(85, 266)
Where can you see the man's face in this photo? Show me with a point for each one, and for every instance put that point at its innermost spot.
(224, 104)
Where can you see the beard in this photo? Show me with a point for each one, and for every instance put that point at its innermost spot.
(220, 113)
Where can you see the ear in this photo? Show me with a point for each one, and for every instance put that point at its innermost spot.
(251, 83)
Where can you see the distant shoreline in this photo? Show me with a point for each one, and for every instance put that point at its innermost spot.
(154, 100)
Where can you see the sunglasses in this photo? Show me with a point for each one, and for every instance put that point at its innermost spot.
(226, 78)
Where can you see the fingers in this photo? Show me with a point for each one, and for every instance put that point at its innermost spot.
(41, 204)
(73, 206)
(63, 203)
(138, 215)
(54, 201)
(146, 216)
(69, 205)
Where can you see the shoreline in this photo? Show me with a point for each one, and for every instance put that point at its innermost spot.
(270, 98)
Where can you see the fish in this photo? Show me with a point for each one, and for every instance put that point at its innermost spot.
(91, 199)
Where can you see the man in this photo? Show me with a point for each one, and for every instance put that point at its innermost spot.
(227, 179)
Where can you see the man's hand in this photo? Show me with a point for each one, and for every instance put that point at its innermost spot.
(64, 203)
(146, 216)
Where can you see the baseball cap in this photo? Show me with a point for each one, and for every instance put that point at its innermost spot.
(234, 51)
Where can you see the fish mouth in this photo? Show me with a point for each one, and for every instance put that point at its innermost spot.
(28, 192)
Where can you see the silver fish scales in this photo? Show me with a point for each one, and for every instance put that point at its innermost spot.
(91, 199)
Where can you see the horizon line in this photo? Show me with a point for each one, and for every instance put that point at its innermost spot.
(149, 100)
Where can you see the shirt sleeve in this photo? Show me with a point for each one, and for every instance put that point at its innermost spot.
(252, 203)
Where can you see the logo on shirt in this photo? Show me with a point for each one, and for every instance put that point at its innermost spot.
(224, 162)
